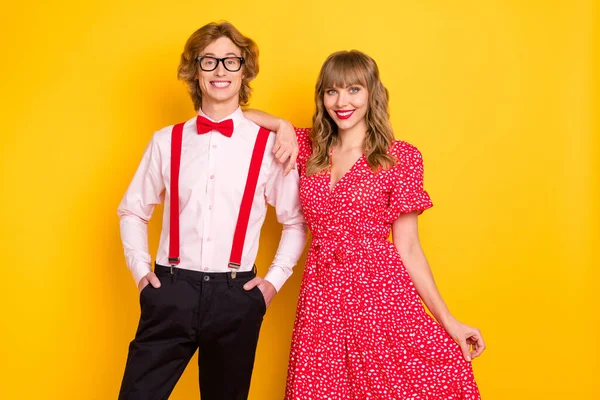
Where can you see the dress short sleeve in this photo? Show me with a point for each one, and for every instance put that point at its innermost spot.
(406, 180)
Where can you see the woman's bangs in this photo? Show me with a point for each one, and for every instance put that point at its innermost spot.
(344, 70)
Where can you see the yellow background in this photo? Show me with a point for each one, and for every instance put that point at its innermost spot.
(500, 96)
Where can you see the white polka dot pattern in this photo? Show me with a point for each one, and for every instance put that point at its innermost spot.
(361, 331)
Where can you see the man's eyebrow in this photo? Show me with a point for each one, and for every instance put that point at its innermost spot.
(227, 54)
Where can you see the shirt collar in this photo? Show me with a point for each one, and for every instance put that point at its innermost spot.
(236, 116)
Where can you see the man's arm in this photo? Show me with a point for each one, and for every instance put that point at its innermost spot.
(286, 143)
(135, 210)
(282, 192)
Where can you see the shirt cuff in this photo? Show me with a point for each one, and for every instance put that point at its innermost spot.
(277, 277)
(139, 271)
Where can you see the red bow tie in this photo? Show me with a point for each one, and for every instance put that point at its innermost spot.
(205, 125)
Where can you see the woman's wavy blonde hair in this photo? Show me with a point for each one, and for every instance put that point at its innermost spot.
(343, 69)
(188, 66)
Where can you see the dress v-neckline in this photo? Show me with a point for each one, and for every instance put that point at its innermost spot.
(332, 186)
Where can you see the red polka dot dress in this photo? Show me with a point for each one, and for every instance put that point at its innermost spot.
(361, 331)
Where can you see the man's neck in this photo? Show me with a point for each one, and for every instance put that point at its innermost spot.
(219, 110)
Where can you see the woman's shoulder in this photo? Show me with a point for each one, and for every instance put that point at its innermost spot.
(405, 153)
(303, 134)
(304, 143)
(400, 148)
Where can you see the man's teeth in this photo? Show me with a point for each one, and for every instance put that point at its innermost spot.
(220, 84)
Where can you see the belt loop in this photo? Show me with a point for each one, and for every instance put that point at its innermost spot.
(229, 279)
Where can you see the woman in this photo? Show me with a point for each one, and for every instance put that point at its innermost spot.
(361, 330)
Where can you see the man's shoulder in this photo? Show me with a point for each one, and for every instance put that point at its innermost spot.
(250, 127)
(250, 131)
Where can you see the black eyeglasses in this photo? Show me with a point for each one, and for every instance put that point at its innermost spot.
(209, 63)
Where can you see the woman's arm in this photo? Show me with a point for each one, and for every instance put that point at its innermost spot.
(286, 143)
(406, 239)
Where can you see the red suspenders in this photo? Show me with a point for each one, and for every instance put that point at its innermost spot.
(235, 259)
(176, 136)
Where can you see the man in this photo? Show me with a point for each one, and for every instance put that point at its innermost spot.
(215, 182)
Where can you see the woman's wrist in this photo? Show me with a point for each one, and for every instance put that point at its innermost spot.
(284, 123)
(446, 320)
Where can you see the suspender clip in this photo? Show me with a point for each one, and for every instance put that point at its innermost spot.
(173, 261)
(234, 267)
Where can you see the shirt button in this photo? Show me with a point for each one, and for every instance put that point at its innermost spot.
(214, 146)
(209, 239)
(210, 207)
(212, 177)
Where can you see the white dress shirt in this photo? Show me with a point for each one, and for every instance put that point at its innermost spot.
(213, 174)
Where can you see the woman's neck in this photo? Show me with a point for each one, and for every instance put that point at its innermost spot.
(352, 138)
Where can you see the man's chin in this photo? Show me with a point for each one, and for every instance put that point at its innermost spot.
(220, 97)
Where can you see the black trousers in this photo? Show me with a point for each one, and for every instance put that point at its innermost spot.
(193, 310)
